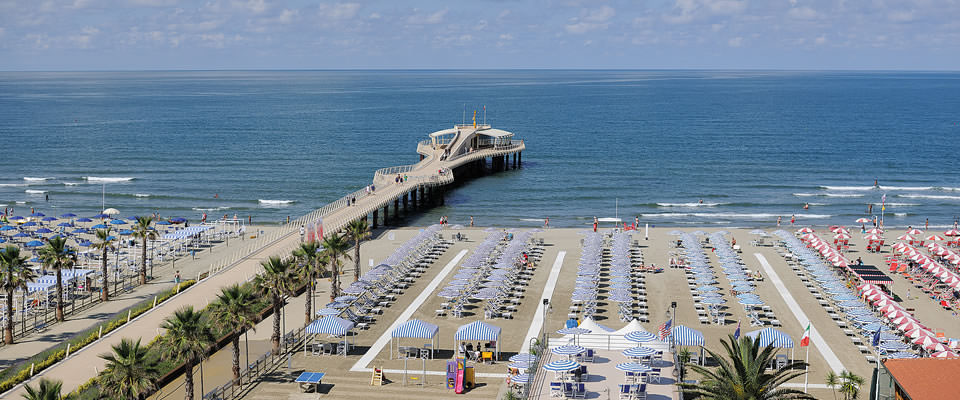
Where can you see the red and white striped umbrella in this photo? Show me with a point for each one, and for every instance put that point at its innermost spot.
(867, 286)
(875, 231)
(895, 314)
(935, 347)
(953, 258)
(925, 340)
(809, 236)
(842, 236)
(872, 238)
(935, 237)
(863, 220)
(952, 232)
(909, 325)
(906, 237)
(838, 229)
(914, 231)
(899, 246)
(944, 354)
(805, 230)
(915, 333)
(887, 305)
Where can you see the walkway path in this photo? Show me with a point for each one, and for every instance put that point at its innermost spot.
(801, 317)
(537, 323)
(83, 365)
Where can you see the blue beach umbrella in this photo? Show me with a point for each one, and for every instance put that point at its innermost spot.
(713, 301)
(43, 230)
(21, 235)
(16, 218)
(80, 230)
(902, 354)
(99, 216)
(8, 228)
(573, 331)
(85, 243)
(751, 302)
(521, 378)
(562, 366)
(118, 222)
(65, 224)
(893, 346)
(31, 223)
(34, 243)
(327, 311)
(2, 240)
(633, 367)
(48, 219)
(519, 365)
(639, 352)
(84, 220)
(111, 237)
(163, 222)
(639, 336)
(178, 220)
(126, 232)
(68, 215)
(568, 350)
(528, 358)
(38, 214)
(132, 218)
(99, 226)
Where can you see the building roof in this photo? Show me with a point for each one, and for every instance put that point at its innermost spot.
(926, 378)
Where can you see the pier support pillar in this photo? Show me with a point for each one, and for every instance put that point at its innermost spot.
(440, 195)
(514, 160)
(421, 157)
(413, 196)
(386, 215)
(423, 198)
(520, 158)
(375, 211)
(396, 209)
(406, 199)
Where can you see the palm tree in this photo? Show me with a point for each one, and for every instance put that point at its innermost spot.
(335, 246)
(312, 262)
(58, 256)
(357, 230)
(233, 312)
(188, 338)
(47, 390)
(15, 276)
(850, 384)
(104, 244)
(131, 372)
(276, 281)
(832, 380)
(143, 231)
(742, 374)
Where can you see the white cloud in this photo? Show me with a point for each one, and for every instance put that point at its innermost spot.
(900, 16)
(802, 13)
(428, 19)
(503, 36)
(339, 11)
(78, 4)
(2, 31)
(735, 42)
(212, 40)
(254, 6)
(286, 16)
(685, 11)
(374, 16)
(503, 14)
(591, 20)
(601, 14)
(726, 7)
(153, 3)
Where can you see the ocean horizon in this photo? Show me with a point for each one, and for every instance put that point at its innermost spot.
(672, 147)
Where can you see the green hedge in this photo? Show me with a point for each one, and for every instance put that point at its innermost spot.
(47, 358)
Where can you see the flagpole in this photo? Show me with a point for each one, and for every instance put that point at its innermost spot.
(806, 375)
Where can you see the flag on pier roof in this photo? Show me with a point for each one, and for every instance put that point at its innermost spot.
(805, 340)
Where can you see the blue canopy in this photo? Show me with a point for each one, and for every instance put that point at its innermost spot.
(84, 220)
(118, 222)
(21, 234)
(34, 243)
(80, 230)
(68, 215)
(85, 243)
(335, 326)
(43, 230)
(163, 222)
(100, 216)
(64, 224)
(8, 228)
(48, 219)
(328, 311)
(684, 336)
(772, 337)
(99, 226)
(178, 220)
(477, 330)
(415, 328)
(15, 218)
(126, 232)
(31, 223)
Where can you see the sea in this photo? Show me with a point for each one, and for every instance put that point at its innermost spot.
(670, 148)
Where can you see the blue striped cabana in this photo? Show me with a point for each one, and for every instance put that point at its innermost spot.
(683, 336)
(330, 325)
(772, 337)
(416, 329)
(478, 330)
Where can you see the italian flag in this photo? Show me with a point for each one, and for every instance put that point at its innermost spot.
(805, 340)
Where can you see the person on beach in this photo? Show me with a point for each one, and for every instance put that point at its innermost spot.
(926, 225)
(778, 220)
(870, 208)
(203, 218)
(546, 222)
(471, 221)
(176, 277)
(793, 219)
(806, 206)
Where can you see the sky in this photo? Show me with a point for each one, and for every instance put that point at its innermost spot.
(479, 34)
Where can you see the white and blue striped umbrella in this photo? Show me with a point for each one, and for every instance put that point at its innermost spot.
(519, 365)
(583, 296)
(345, 299)
(639, 336)
(844, 297)
(568, 350)
(477, 330)
(573, 331)
(353, 290)
(772, 337)
(521, 378)
(707, 288)
(639, 352)
(415, 328)
(711, 295)
(902, 354)
(750, 301)
(858, 311)
(327, 311)
(893, 346)
(330, 325)
(561, 366)
(713, 300)
(529, 358)
(633, 367)
(744, 288)
(620, 298)
(684, 336)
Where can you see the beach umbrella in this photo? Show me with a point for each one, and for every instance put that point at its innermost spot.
(48, 219)
(527, 358)
(163, 222)
(132, 218)
(713, 301)
(521, 378)
(863, 220)
(872, 238)
(573, 331)
(99, 226)
(901, 354)
(751, 302)
(42, 230)
(913, 334)
(68, 215)
(21, 234)
(85, 243)
(639, 352)
(65, 224)
(944, 354)
(805, 230)
(118, 222)
(16, 218)
(8, 228)
(125, 232)
(38, 214)
(568, 350)
(34, 243)
(893, 346)
(906, 237)
(30, 223)
(111, 211)
(914, 231)
(100, 216)
(633, 367)
(935, 237)
(952, 232)
(707, 288)
(639, 336)
(561, 365)
(84, 220)
(328, 311)
(345, 299)
(908, 325)
(838, 229)
(80, 230)
(842, 236)
(337, 304)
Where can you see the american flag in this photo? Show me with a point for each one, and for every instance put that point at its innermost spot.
(664, 329)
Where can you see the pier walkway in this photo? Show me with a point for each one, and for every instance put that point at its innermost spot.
(449, 152)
